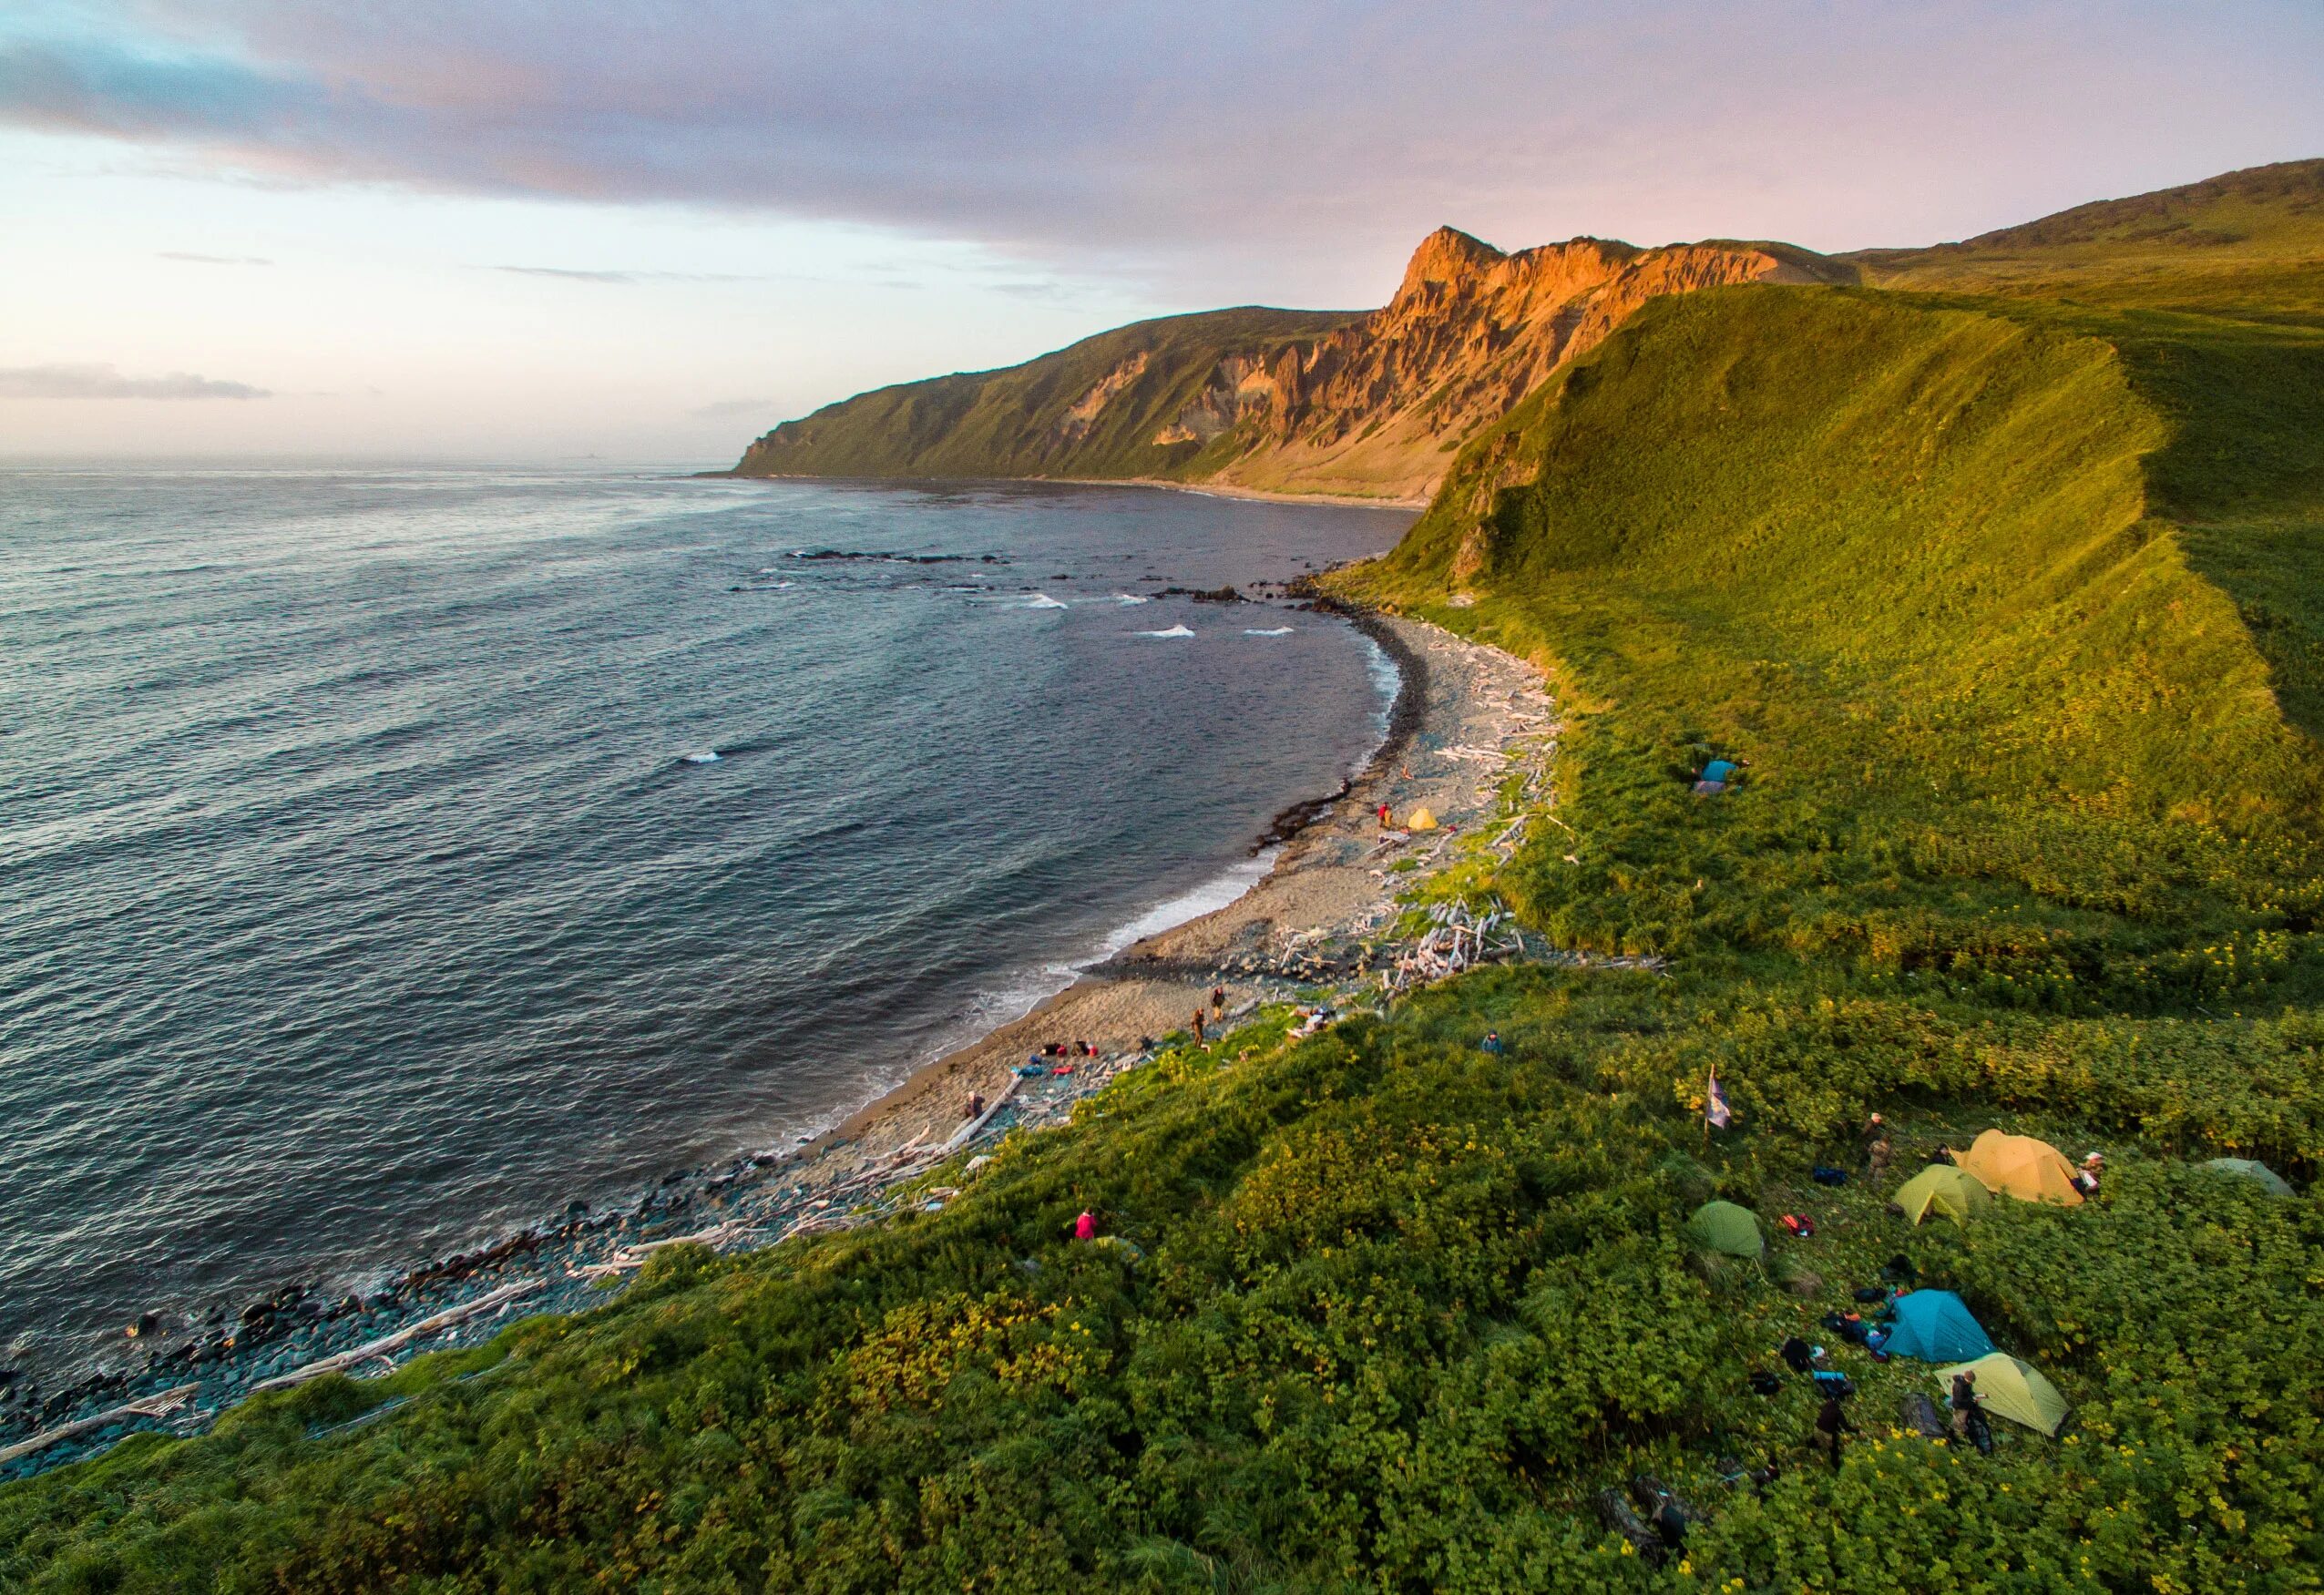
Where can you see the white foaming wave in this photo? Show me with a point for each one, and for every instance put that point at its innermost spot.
(1129, 598)
(1267, 631)
(1388, 680)
(1171, 632)
(704, 758)
(1042, 602)
(1207, 898)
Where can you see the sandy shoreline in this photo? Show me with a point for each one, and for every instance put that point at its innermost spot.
(1213, 489)
(1465, 711)
(1261, 495)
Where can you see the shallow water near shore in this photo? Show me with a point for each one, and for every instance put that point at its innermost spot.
(388, 857)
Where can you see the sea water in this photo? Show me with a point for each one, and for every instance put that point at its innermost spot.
(389, 857)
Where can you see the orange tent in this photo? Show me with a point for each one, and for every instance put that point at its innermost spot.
(2021, 1166)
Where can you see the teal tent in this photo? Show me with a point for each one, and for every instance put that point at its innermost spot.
(2249, 1169)
(1721, 1226)
(1937, 1326)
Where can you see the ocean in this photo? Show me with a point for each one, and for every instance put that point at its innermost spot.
(392, 857)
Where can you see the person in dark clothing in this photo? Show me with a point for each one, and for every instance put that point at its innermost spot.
(1964, 1403)
(1218, 1002)
(1831, 1423)
(1198, 1028)
(1797, 1354)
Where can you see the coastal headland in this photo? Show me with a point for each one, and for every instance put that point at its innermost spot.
(1938, 669)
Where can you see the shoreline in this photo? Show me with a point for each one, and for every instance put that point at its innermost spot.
(1316, 927)
(1213, 489)
(1336, 877)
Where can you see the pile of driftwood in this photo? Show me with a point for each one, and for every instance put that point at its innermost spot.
(1458, 937)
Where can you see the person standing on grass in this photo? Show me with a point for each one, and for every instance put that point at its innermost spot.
(1964, 1402)
(1831, 1423)
(1198, 1028)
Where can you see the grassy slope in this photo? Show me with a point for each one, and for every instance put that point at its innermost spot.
(1005, 423)
(2000, 596)
(1994, 687)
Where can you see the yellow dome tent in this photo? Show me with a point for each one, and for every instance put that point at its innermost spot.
(1942, 1189)
(1421, 820)
(2023, 1166)
(2014, 1390)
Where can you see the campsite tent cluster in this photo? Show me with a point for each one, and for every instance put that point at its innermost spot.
(1937, 1326)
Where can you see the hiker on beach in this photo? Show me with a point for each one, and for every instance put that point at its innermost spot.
(1383, 816)
(1218, 1002)
(1198, 1028)
(974, 1106)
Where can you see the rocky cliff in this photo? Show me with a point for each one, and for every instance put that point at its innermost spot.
(1368, 405)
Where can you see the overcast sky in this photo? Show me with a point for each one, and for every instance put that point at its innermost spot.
(649, 229)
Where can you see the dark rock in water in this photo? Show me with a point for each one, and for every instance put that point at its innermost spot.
(146, 1323)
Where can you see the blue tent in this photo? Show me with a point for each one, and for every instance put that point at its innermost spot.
(1937, 1327)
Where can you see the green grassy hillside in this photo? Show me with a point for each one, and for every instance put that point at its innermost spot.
(1019, 423)
(1994, 601)
(2247, 242)
(2012, 600)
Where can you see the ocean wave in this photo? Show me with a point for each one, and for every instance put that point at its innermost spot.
(1169, 631)
(1210, 896)
(1042, 602)
(1129, 598)
(1266, 631)
(707, 757)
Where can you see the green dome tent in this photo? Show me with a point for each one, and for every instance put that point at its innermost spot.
(2014, 1390)
(1721, 1226)
(1942, 1189)
(2252, 1168)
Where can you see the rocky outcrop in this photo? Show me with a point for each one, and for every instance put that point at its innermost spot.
(1082, 413)
(1372, 407)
